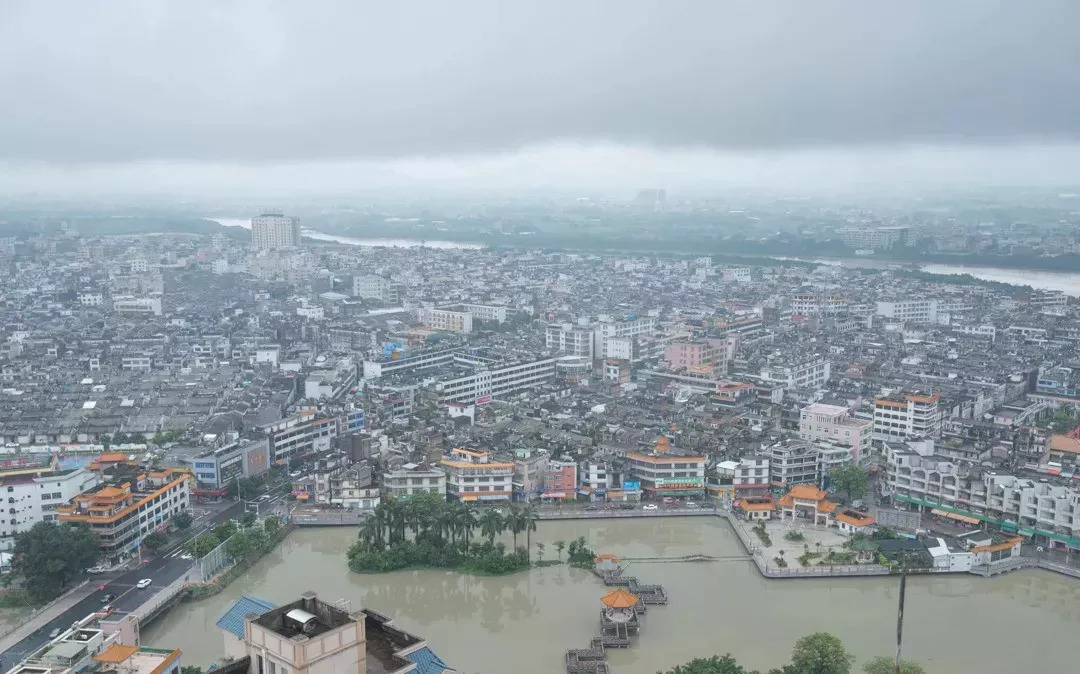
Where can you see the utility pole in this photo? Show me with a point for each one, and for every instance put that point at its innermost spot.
(900, 612)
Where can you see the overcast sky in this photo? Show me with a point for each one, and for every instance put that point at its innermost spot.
(444, 91)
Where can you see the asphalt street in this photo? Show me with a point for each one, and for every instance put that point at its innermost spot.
(161, 570)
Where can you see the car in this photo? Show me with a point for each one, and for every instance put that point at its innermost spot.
(590, 507)
(107, 608)
(55, 633)
(144, 583)
(187, 555)
(626, 506)
(96, 569)
(107, 598)
(650, 506)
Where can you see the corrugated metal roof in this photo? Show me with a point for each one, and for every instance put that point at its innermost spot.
(233, 620)
(427, 662)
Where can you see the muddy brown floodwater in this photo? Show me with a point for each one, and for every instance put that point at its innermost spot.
(1022, 621)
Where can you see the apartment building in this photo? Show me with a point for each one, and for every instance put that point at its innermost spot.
(484, 312)
(665, 472)
(302, 434)
(596, 475)
(34, 494)
(471, 475)
(127, 305)
(352, 489)
(797, 371)
(814, 304)
(687, 355)
(914, 311)
(129, 507)
(903, 416)
(751, 476)
(631, 327)
(1045, 508)
(218, 467)
(413, 478)
(371, 287)
(560, 479)
(273, 231)
(569, 339)
(91, 299)
(446, 320)
(529, 469)
(311, 636)
(876, 238)
(834, 423)
(485, 384)
(794, 462)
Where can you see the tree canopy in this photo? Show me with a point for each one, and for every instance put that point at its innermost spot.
(821, 653)
(884, 665)
(49, 556)
(852, 479)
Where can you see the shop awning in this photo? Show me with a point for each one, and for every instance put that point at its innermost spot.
(955, 516)
(553, 494)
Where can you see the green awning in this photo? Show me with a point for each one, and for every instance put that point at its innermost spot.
(1008, 526)
(1027, 531)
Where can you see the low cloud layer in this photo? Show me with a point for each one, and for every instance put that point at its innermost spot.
(253, 81)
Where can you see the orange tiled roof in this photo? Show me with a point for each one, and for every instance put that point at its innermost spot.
(603, 556)
(846, 518)
(756, 507)
(807, 492)
(111, 456)
(1063, 443)
(116, 653)
(619, 598)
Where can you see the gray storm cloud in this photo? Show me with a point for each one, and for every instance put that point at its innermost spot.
(256, 81)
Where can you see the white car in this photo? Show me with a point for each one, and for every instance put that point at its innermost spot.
(96, 569)
(145, 582)
(650, 506)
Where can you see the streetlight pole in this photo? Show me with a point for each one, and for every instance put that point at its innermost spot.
(900, 612)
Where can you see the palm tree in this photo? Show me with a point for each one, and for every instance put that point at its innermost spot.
(528, 520)
(516, 522)
(371, 532)
(469, 521)
(559, 547)
(491, 524)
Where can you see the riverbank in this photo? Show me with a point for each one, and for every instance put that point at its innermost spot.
(734, 607)
(222, 580)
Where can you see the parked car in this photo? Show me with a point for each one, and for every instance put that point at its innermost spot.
(691, 504)
(650, 506)
(144, 583)
(107, 608)
(626, 506)
(96, 569)
(107, 598)
(590, 507)
(55, 633)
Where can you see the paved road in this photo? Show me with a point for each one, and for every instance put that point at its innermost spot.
(162, 570)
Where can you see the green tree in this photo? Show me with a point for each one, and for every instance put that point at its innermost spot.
(821, 653)
(249, 519)
(154, 540)
(491, 524)
(529, 517)
(191, 669)
(715, 665)
(884, 665)
(272, 525)
(852, 479)
(539, 551)
(225, 530)
(49, 556)
(515, 521)
(559, 547)
(201, 545)
(182, 520)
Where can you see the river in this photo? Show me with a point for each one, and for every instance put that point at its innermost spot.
(1022, 621)
(354, 241)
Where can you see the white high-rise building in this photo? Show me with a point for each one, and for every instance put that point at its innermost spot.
(271, 231)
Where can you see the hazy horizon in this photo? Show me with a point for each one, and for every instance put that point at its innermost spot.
(260, 98)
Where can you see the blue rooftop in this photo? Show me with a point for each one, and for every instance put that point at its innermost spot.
(233, 620)
(427, 662)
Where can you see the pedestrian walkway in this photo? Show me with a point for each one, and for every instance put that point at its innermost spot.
(45, 615)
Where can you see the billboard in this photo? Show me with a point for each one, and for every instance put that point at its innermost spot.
(483, 400)
(680, 482)
(631, 485)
